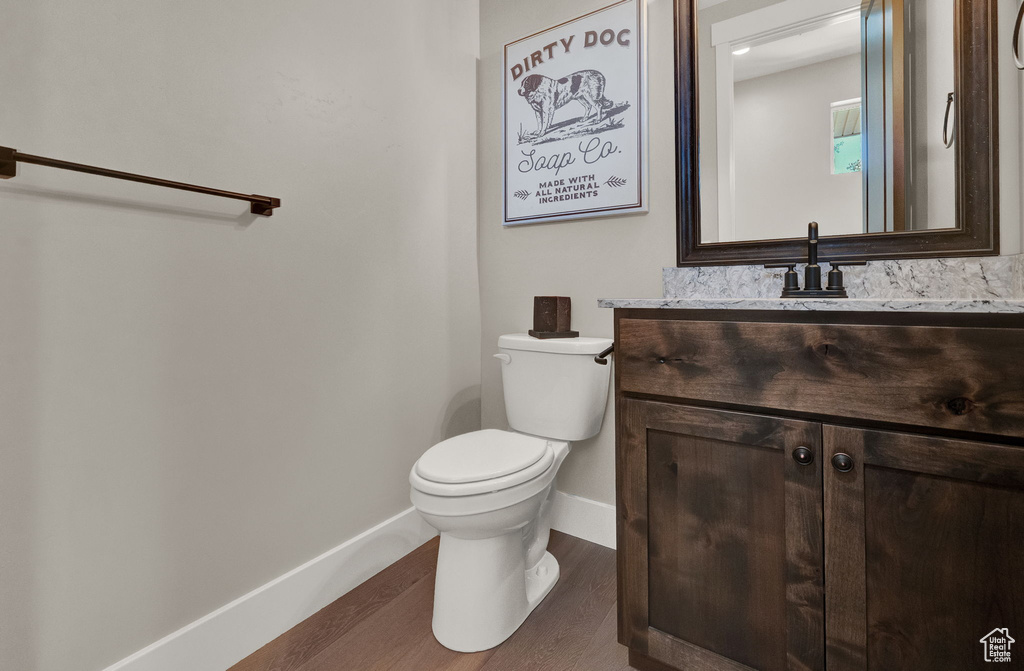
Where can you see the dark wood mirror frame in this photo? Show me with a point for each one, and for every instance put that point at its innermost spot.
(977, 161)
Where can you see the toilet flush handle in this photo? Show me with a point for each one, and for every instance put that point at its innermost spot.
(505, 358)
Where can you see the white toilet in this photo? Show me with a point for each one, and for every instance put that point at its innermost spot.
(489, 492)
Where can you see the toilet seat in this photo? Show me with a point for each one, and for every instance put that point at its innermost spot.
(480, 455)
(481, 461)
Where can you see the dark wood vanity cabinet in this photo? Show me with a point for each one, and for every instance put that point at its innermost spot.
(745, 542)
(720, 542)
(924, 550)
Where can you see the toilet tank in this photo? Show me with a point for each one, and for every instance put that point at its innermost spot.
(553, 387)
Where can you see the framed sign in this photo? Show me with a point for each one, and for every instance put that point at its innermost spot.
(575, 115)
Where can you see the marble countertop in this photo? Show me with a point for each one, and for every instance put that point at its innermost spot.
(822, 304)
(992, 284)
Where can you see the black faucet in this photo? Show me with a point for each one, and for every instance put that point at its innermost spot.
(812, 273)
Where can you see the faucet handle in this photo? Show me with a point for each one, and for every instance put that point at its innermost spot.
(835, 276)
(791, 280)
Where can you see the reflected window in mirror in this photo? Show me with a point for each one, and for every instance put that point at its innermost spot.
(846, 137)
(832, 111)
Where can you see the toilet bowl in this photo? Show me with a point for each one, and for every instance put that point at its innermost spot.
(492, 564)
(489, 492)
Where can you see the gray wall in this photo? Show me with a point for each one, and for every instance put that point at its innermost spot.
(195, 400)
(585, 259)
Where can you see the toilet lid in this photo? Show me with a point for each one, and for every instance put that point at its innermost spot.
(480, 455)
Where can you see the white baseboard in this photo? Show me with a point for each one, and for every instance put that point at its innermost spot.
(590, 520)
(231, 633)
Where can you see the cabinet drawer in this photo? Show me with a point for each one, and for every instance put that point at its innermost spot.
(956, 378)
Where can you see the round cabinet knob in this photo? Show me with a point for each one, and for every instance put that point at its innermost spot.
(842, 462)
(803, 456)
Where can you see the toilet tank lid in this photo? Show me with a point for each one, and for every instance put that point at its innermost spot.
(525, 341)
(480, 455)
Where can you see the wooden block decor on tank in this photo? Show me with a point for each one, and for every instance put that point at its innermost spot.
(552, 317)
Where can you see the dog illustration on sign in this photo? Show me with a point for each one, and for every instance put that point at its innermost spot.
(545, 95)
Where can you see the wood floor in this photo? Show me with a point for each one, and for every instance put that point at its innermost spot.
(385, 623)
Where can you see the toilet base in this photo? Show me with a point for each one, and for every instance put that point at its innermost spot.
(483, 591)
(541, 579)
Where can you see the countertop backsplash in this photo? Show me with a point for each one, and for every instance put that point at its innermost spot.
(969, 278)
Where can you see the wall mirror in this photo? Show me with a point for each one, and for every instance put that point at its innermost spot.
(875, 118)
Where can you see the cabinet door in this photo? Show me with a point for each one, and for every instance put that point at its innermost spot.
(720, 538)
(924, 551)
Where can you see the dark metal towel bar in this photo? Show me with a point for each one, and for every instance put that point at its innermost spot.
(9, 159)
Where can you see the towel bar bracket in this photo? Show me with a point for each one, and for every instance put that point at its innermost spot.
(8, 164)
(265, 209)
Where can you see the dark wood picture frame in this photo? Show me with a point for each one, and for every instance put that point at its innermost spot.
(977, 161)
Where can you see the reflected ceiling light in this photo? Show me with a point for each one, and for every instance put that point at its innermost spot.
(740, 52)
